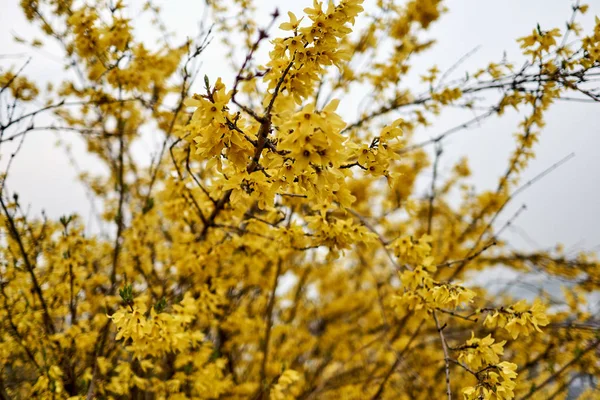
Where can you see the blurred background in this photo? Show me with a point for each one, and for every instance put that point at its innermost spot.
(563, 207)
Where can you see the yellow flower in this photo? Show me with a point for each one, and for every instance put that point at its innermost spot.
(293, 24)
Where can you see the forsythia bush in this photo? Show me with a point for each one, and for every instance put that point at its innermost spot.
(273, 249)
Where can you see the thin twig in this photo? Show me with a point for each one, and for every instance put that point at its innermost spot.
(440, 330)
(438, 153)
(561, 370)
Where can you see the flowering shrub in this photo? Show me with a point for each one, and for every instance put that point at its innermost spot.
(274, 249)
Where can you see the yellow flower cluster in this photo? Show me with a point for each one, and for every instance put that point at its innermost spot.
(497, 383)
(314, 138)
(311, 48)
(259, 254)
(478, 353)
(156, 334)
(286, 387)
(519, 318)
(377, 157)
(496, 380)
(591, 44)
(21, 88)
(412, 250)
(216, 132)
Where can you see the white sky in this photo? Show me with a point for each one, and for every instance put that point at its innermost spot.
(563, 207)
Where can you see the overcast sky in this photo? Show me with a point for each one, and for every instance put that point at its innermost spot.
(563, 207)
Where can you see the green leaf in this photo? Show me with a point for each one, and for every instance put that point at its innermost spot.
(206, 83)
(160, 305)
(149, 205)
(127, 294)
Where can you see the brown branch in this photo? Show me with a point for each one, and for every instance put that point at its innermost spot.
(438, 153)
(396, 363)
(17, 334)
(384, 243)
(467, 259)
(263, 394)
(100, 343)
(450, 131)
(63, 103)
(561, 370)
(30, 268)
(278, 87)
(446, 356)
(263, 133)
(86, 131)
(15, 76)
(182, 96)
(262, 34)
(504, 204)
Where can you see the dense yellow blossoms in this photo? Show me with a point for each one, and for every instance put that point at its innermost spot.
(280, 246)
(519, 318)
